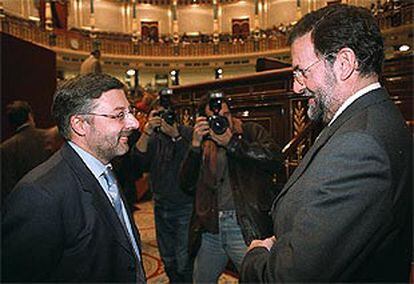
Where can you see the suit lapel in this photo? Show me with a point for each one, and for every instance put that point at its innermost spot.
(362, 103)
(100, 200)
(303, 164)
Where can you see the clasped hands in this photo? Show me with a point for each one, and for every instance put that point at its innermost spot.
(266, 243)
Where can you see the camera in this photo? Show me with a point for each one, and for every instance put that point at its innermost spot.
(217, 123)
(168, 113)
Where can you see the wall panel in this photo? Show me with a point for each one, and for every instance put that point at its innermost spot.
(29, 73)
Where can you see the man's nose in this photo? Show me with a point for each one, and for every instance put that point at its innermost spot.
(132, 122)
(298, 88)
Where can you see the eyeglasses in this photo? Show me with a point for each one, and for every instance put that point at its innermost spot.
(119, 116)
(300, 74)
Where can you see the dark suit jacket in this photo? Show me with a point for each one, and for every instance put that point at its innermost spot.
(346, 212)
(58, 225)
(22, 152)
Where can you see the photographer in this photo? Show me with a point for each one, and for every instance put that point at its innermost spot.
(160, 151)
(229, 168)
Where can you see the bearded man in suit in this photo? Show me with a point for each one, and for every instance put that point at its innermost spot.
(66, 220)
(345, 215)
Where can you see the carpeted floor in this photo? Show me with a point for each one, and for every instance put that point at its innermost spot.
(144, 218)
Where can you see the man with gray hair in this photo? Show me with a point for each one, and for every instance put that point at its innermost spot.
(345, 214)
(66, 220)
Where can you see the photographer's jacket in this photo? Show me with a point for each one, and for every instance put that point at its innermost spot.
(253, 157)
(163, 160)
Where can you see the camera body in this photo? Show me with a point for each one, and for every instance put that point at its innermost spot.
(216, 122)
(168, 113)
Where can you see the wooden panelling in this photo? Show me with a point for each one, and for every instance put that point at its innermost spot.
(29, 73)
(398, 78)
(267, 98)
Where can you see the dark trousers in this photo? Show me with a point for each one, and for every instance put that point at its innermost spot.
(172, 227)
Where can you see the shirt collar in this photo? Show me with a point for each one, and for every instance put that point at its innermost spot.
(353, 98)
(97, 167)
(21, 127)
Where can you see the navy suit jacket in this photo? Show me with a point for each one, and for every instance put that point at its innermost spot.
(58, 225)
(346, 212)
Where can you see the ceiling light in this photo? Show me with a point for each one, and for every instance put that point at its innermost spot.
(130, 72)
(404, 47)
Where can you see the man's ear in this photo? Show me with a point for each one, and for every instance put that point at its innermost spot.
(346, 63)
(78, 125)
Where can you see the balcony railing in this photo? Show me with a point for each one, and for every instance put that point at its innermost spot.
(121, 44)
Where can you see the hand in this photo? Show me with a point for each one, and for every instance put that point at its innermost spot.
(153, 122)
(170, 130)
(222, 139)
(266, 243)
(201, 129)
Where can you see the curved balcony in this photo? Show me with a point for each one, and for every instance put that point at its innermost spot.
(121, 45)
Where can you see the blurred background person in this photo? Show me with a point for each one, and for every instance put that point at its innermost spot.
(27, 148)
(92, 64)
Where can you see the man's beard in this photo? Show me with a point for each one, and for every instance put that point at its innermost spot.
(315, 109)
(321, 100)
(106, 147)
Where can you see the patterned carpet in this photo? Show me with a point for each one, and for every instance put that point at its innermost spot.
(144, 218)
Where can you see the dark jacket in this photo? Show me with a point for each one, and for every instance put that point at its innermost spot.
(253, 158)
(58, 225)
(163, 160)
(21, 153)
(345, 214)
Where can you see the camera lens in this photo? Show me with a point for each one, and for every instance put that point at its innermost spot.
(218, 124)
(169, 117)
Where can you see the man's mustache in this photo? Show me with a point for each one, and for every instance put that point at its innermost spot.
(125, 133)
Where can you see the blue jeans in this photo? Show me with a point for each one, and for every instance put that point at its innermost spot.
(216, 249)
(171, 227)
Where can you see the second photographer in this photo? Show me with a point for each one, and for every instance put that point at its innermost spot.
(229, 168)
(160, 151)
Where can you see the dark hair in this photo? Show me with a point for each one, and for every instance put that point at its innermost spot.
(201, 109)
(18, 112)
(76, 96)
(338, 26)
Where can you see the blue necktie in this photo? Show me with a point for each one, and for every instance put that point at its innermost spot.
(117, 202)
(113, 191)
